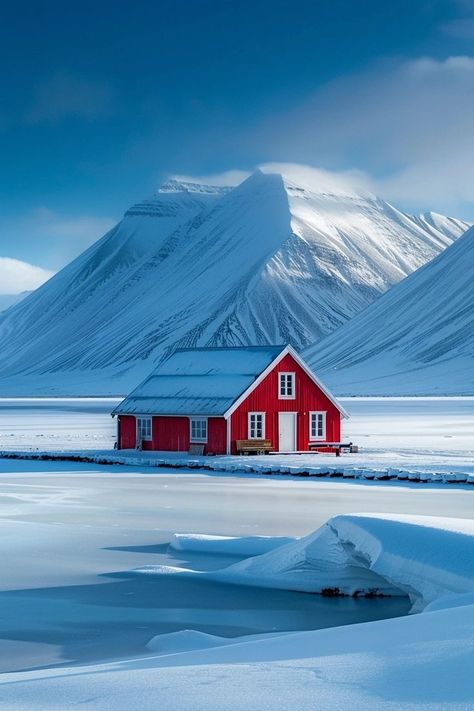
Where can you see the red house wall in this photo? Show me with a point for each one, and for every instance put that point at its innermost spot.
(171, 434)
(308, 398)
(127, 432)
(216, 435)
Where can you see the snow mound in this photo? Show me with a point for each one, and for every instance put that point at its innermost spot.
(191, 640)
(417, 662)
(183, 641)
(427, 558)
(227, 545)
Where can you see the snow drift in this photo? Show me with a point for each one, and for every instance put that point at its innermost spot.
(279, 259)
(416, 662)
(418, 338)
(428, 559)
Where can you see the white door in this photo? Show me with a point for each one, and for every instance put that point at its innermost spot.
(286, 431)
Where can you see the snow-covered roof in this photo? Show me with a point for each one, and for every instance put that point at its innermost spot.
(199, 381)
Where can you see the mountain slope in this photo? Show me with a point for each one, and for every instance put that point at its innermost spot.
(273, 260)
(418, 338)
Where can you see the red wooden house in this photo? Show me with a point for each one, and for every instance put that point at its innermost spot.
(216, 396)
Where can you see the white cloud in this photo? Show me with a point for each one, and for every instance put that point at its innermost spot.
(409, 123)
(17, 276)
(318, 179)
(51, 237)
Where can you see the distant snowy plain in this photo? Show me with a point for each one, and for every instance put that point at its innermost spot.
(421, 424)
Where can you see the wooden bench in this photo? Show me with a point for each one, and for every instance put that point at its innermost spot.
(338, 446)
(253, 446)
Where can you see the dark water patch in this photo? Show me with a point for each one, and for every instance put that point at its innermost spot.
(116, 619)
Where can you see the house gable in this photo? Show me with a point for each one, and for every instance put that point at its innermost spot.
(264, 397)
(289, 357)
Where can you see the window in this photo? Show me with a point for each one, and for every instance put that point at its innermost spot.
(317, 425)
(198, 429)
(256, 425)
(286, 386)
(143, 429)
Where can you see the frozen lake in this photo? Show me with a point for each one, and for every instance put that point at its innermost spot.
(72, 533)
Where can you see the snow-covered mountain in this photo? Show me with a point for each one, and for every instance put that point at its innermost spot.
(418, 338)
(277, 259)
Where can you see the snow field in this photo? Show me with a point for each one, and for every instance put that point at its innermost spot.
(422, 662)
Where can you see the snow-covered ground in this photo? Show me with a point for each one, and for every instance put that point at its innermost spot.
(76, 538)
(423, 661)
(417, 439)
(420, 424)
(57, 423)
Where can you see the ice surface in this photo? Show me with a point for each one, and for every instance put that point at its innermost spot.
(423, 661)
(70, 534)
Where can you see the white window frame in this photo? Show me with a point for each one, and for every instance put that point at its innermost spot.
(198, 438)
(139, 429)
(249, 425)
(284, 395)
(316, 438)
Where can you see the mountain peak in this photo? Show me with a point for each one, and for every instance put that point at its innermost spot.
(176, 185)
(286, 256)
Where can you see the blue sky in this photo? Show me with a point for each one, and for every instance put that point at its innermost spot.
(101, 101)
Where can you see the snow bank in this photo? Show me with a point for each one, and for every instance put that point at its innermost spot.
(227, 545)
(191, 640)
(385, 466)
(418, 662)
(427, 558)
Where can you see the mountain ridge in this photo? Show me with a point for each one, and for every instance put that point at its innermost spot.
(269, 261)
(417, 338)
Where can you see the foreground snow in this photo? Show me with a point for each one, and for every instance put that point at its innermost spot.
(419, 663)
(430, 559)
(423, 661)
